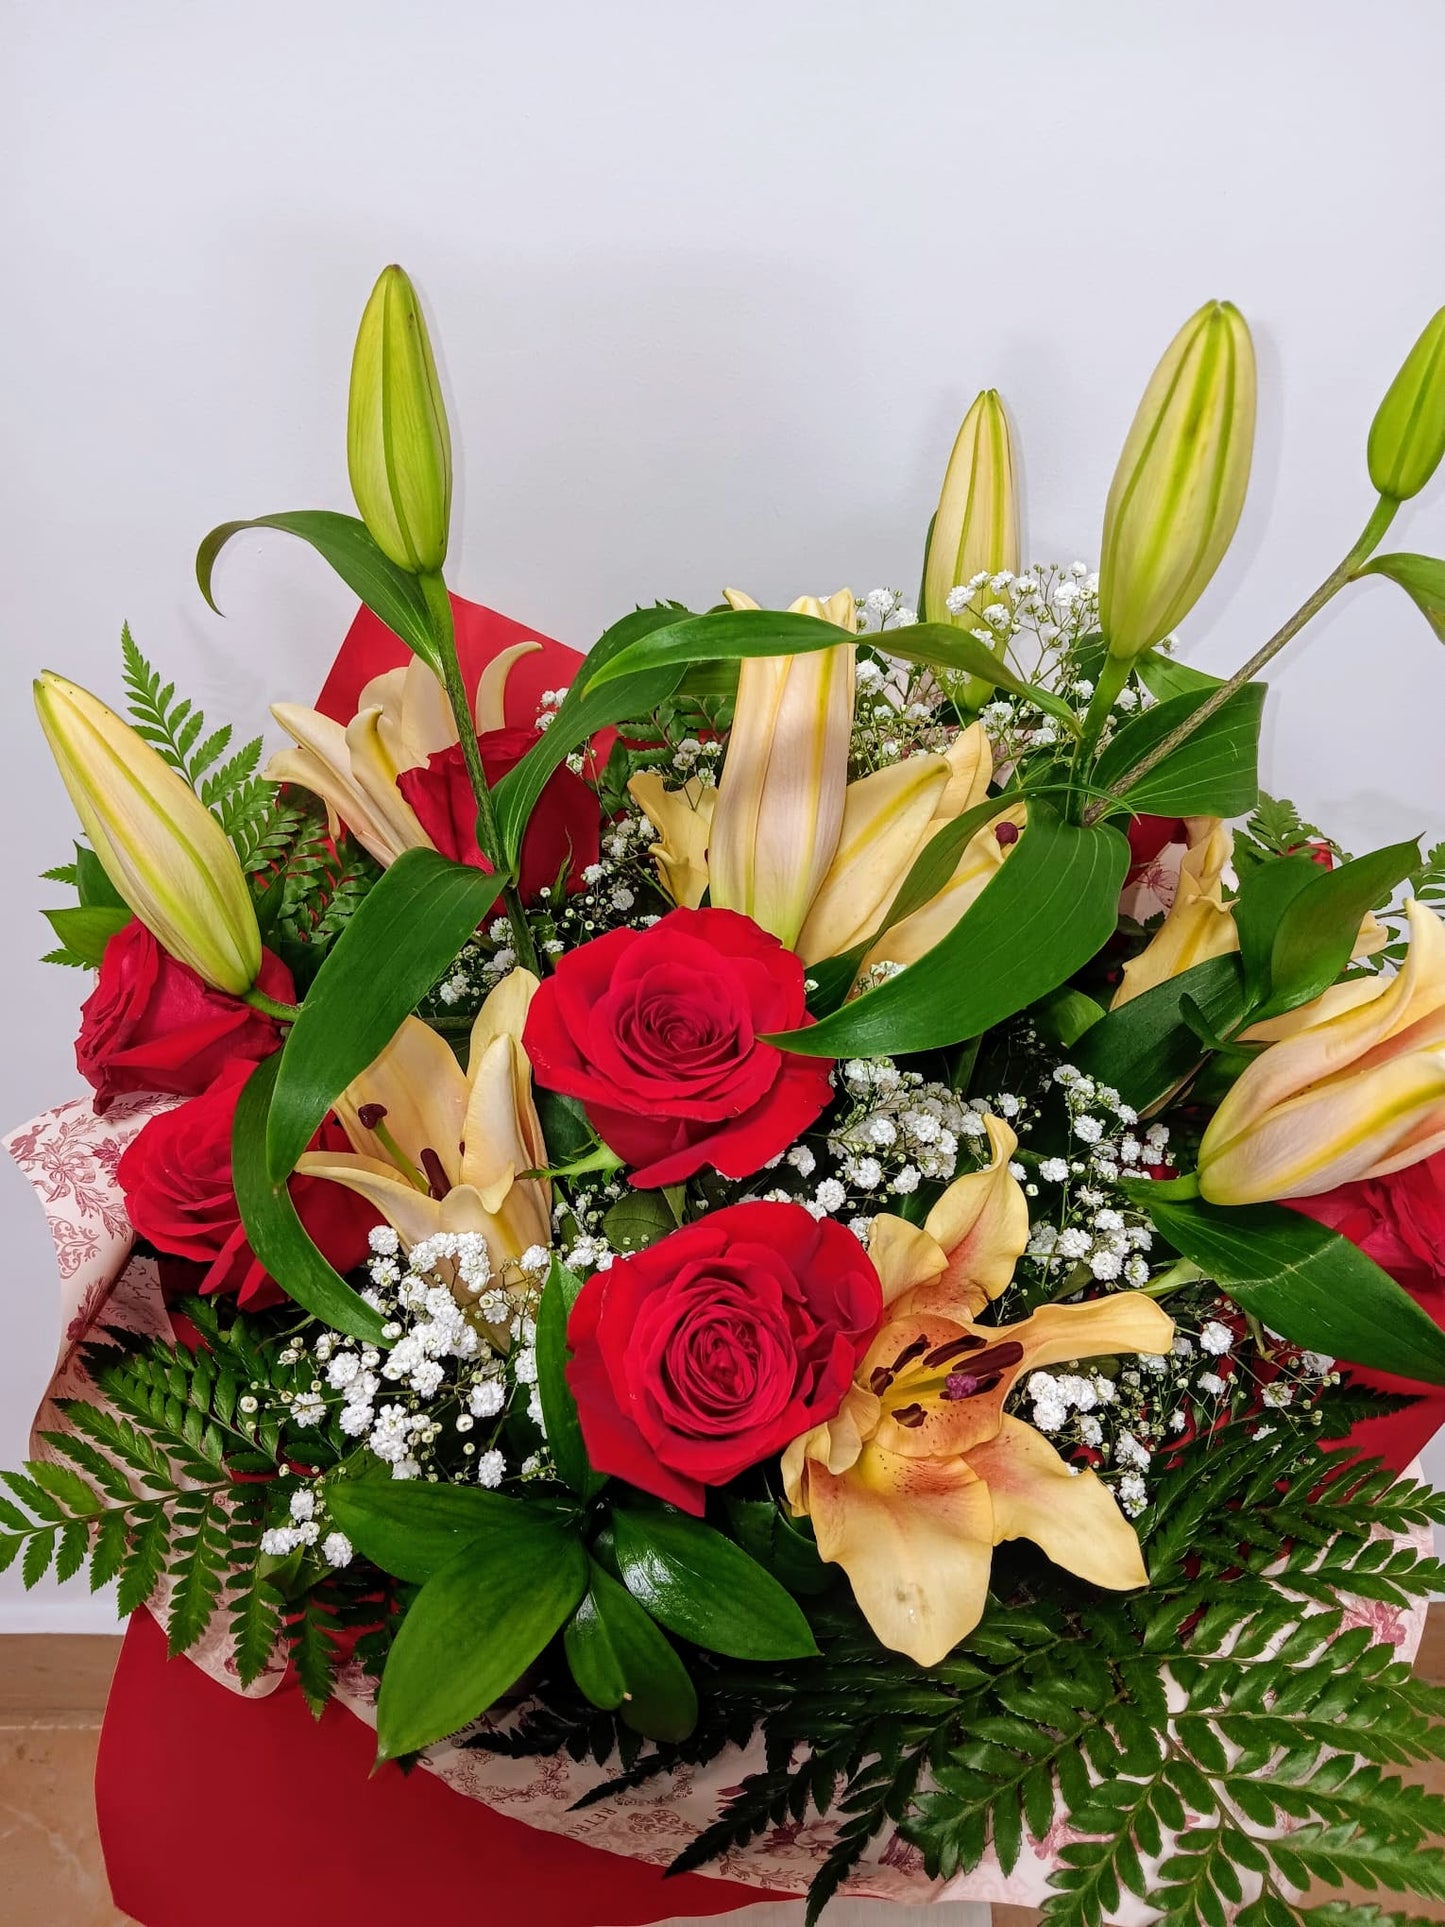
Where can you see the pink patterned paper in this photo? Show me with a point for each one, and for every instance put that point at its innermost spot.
(70, 1156)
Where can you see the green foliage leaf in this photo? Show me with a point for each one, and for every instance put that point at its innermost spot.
(1317, 925)
(1304, 1281)
(1047, 913)
(1146, 1047)
(704, 1588)
(399, 940)
(276, 1233)
(1213, 772)
(343, 541)
(621, 1661)
(1163, 676)
(474, 1628)
(412, 1529)
(85, 932)
(735, 635)
(1422, 577)
(559, 1408)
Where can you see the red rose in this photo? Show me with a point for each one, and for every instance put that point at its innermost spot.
(716, 1347)
(176, 1176)
(659, 1033)
(151, 1024)
(1399, 1221)
(562, 833)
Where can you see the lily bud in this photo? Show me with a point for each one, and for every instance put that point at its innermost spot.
(976, 529)
(1355, 1090)
(398, 447)
(1177, 493)
(157, 842)
(1407, 436)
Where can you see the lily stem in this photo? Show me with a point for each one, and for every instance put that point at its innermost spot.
(434, 593)
(284, 1013)
(1384, 513)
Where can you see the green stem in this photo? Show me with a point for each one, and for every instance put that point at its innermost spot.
(284, 1013)
(1112, 678)
(1384, 513)
(489, 839)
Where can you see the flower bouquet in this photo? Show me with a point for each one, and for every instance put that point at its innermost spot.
(780, 1218)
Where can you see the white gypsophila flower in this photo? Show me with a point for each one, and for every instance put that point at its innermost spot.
(1089, 1129)
(303, 1504)
(1073, 1242)
(1133, 1494)
(337, 1549)
(1054, 1170)
(1105, 1264)
(1128, 1451)
(802, 1160)
(491, 1469)
(1212, 1384)
(1277, 1394)
(1216, 1338)
(384, 1241)
(487, 1399)
(278, 1542)
(830, 1195)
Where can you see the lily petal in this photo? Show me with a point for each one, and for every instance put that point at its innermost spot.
(982, 858)
(980, 1224)
(1199, 925)
(683, 821)
(501, 1133)
(904, 1255)
(886, 821)
(1070, 1516)
(412, 1214)
(491, 704)
(779, 807)
(420, 1087)
(915, 1537)
(1356, 1094)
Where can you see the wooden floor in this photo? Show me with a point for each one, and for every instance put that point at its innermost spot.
(52, 1693)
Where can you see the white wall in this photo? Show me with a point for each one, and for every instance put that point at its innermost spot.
(713, 285)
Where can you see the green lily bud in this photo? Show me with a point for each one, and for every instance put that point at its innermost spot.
(157, 842)
(1407, 436)
(1177, 493)
(976, 529)
(398, 447)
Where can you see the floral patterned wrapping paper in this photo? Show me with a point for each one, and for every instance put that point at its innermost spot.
(70, 1157)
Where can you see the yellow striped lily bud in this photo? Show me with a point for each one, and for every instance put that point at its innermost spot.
(398, 447)
(976, 529)
(779, 808)
(1177, 493)
(157, 842)
(1356, 1093)
(1407, 436)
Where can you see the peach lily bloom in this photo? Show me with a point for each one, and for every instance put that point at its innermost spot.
(786, 838)
(1353, 1087)
(402, 718)
(438, 1149)
(922, 1473)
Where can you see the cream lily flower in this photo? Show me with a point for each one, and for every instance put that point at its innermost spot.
(779, 806)
(922, 1473)
(1199, 924)
(787, 839)
(1356, 1091)
(402, 718)
(436, 1149)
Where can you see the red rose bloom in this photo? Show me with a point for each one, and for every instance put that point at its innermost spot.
(716, 1347)
(151, 1024)
(561, 835)
(659, 1033)
(176, 1176)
